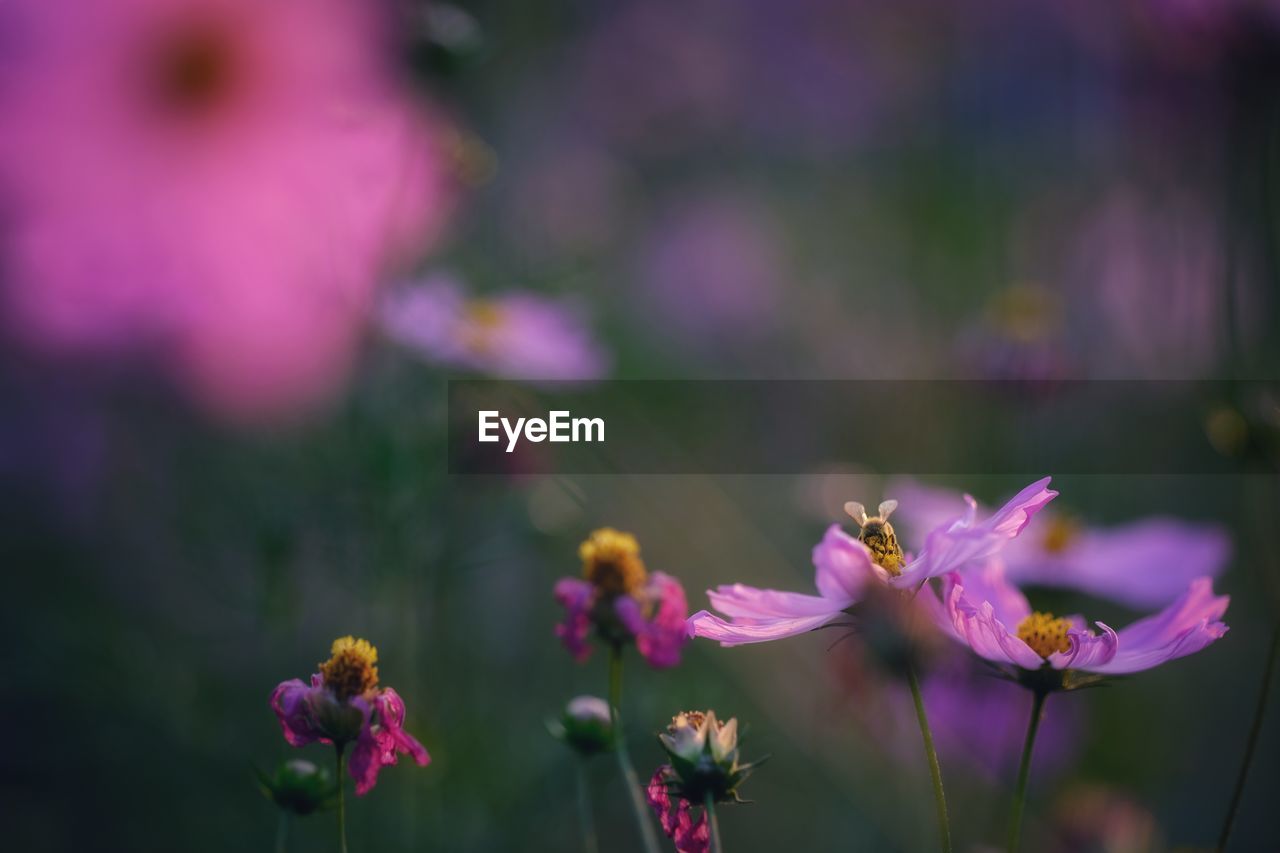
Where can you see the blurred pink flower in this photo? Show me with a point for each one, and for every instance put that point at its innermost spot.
(991, 616)
(1144, 563)
(1150, 275)
(845, 565)
(512, 335)
(216, 184)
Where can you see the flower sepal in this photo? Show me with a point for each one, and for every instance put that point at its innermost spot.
(704, 758)
(1048, 680)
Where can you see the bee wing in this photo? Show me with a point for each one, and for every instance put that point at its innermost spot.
(857, 511)
(886, 508)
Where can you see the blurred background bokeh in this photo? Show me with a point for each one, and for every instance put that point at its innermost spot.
(243, 245)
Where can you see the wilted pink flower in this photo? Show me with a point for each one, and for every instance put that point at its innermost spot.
(622, 602)
(991, 616)
(1144, 563)
(215, 184)
(675, 815)
(511, 335)
(344, 705)
(845, 565)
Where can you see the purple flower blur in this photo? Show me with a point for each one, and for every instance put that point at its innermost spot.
(622, 602)
(991, 616)
(512, 335)
(845, 565)
(1142, 564)
(344, 705)
(220, 183)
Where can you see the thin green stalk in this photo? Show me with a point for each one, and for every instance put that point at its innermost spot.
(1251, 745)
(713, 825)
(629, 778)
(935, 769)
(282, 832)
(1024, 769)
(585, 821)
(342, 801)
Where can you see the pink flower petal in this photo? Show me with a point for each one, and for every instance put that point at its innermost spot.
(843, 566)
(661, 638)
(576, 596)
(1186, 626)
(1147, 563)
(747, 603)
(712, 627)
(290, 702)
(965, 541)
(977, 626)
(1088, 650)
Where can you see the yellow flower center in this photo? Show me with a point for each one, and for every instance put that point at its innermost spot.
(1061, 534)
(882, 542)
(1027, 313)
(611, 561)
(195, 69)
(1045, 634)
(483, 319)
(352, 668)
(691, 719)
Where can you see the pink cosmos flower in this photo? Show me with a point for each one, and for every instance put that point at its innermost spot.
(991, 616)
(216, 185)
(512, 335)
(622, 602)
(845, 565)
(344, 705)
(1141, 564)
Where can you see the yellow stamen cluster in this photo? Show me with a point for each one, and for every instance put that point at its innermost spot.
(484, 319)
(611, 561)
(692, 719)
(1061, 534)
(1027, 313)
(1045, 634)
(352, 668)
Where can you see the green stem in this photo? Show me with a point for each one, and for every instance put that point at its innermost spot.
(282, 832)
(1251, 745)
(1024, 769)
(585, 821)
(713, 825)
(629, 778)
(935, 769)
(342, 802)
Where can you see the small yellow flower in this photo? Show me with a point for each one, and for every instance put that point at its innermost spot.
(352, 668)
(611, 562)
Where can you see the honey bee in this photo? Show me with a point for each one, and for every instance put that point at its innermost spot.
(877, 534)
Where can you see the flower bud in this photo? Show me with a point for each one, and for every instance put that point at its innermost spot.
(586, 725)
(299, 787)
(704, 756)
